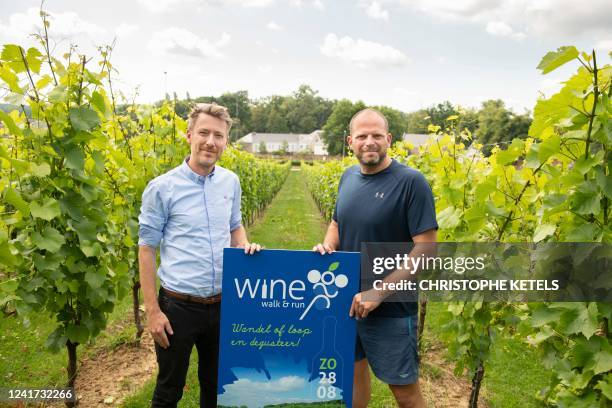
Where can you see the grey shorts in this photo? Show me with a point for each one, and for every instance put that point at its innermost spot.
(390, 345)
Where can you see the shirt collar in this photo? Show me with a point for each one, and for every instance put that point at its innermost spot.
(193, 176)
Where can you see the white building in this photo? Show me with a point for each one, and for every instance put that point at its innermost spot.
(311, 143)
(415, 139)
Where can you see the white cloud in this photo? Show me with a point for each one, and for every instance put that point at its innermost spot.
(501, 29)
(260, 393)
(62, 25)
(175, 40)
(249, 3)
(159, 6)
(560, 19)
(374, 10)
(125, 29)
(603, 47)
(361, 52)
(274, 26)
(317, 4)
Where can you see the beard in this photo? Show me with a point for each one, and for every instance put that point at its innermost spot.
(374, 160)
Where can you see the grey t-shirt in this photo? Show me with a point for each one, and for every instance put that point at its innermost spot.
(392, 205)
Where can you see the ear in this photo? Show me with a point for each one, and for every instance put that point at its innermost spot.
(349, 140)
(389, 138)
(188, 136)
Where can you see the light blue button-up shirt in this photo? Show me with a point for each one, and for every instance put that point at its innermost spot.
(190, 217)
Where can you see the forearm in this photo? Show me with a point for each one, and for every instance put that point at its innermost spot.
(146, 263)
(332, 236)
(239, 238)
(424, 245)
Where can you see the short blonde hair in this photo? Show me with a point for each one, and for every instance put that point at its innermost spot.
(211, 109)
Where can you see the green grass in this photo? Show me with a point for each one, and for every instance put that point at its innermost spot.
(292, 221)
(26, 362)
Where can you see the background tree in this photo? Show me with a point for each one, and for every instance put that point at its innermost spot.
(496, 124)
(397, 121)
(262, 147)
(337, 126)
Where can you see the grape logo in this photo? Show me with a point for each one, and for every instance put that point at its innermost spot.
(326, 286)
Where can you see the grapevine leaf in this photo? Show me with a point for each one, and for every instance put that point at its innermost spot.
(10, 124)
(94, 279)
(86, 230)
(14, 198)
(77, 333)
(50, 239)
(583, 233)
(40, 170)
(6, 256)
(84, 118)
(48, 211)
(11, 54)
(449, 218)
(543, 231)
(97, 100)
(75, 158)
(554, 59)
(34, 59)
(605, 386)
(11, 79)
(586, 200)
(544, 315)
(603, 360)
(91, 249)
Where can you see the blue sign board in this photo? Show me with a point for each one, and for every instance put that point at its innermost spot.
(286, 336)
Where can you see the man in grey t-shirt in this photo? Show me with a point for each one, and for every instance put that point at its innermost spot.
(381, 200)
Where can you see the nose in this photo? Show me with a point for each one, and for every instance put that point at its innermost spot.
(209, 140)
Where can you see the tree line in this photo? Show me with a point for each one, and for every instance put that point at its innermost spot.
(305, 111)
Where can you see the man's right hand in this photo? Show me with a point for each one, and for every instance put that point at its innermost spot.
(159, 325)
(323, 248)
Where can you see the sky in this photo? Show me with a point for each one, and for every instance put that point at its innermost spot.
(407, 54)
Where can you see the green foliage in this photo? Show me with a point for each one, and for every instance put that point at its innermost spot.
(72, 177)
(554, 186)
(336, 128)
(497, 125)
(302, 112)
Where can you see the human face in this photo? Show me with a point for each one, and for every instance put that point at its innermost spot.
(208, 139)
(369, 140)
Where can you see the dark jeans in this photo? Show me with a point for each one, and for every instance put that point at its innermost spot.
(192, 323)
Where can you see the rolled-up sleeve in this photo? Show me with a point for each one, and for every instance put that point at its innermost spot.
(153, 216)
(236, 217)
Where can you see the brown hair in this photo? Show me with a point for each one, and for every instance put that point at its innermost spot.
(211, 109)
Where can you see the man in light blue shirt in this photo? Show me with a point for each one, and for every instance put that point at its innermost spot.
(192, 212)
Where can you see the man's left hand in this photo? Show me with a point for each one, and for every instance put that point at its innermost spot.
(251, 248)
(361, 308)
